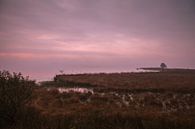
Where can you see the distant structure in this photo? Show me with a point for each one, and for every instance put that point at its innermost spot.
(163, 66)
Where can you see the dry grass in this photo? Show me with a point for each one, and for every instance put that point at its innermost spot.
(162, 80)
(106, 110)
(120, 101)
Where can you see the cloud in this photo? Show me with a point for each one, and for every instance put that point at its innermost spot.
(111, 34)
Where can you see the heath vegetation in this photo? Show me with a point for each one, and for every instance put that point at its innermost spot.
(154, 100)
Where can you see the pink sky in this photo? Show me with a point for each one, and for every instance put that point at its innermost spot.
(39, 38)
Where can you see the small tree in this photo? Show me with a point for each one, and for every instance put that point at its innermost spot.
(163, 66)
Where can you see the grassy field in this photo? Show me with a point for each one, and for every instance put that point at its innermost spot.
(154, 100)
(175, 79)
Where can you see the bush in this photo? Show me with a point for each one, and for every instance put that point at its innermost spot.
(15, 92)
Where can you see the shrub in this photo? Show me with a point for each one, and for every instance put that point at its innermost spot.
(15, 91)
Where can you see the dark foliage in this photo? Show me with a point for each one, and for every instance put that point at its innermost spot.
(66, 83)
(163, 66)
(15, 91)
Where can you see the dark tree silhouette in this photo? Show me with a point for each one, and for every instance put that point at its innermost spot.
(163, 66)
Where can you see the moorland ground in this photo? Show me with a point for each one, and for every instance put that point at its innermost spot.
(153, 100)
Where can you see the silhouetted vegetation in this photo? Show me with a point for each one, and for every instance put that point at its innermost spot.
(15, 92)
(163, 66)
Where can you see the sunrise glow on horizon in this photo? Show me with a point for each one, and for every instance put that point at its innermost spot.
(41, 37)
